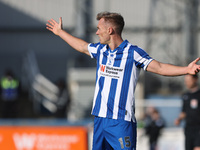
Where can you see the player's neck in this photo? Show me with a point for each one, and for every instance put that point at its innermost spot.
(194, 89)
(115, 42)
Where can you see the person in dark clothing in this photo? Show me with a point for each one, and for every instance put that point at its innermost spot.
(191, 113)
(153, 128)
(9, 94)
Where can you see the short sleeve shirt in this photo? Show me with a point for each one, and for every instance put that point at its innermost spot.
(116, 78)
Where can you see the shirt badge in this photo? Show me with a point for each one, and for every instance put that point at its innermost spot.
(194, 103)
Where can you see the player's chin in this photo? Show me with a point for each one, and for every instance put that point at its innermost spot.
(102, 42)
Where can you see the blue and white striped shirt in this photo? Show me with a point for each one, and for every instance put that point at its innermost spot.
(116, 78)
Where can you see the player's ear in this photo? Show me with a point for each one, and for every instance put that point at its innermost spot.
(110, 30)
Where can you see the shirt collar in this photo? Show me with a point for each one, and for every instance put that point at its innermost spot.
(123, 44)
(120, 47)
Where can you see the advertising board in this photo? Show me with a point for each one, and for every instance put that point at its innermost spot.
(43, 138)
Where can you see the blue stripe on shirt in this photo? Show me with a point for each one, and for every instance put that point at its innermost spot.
(125, 85)
(98, 99)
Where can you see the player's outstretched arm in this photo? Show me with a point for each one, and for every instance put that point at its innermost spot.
(172, 70)
(76, 43)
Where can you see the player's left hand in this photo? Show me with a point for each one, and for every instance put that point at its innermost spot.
(54, 26)
(193, 67)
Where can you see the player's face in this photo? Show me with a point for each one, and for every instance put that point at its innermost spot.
(190, 81)
(102, 32)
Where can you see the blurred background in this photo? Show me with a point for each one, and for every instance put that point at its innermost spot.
(52, 84)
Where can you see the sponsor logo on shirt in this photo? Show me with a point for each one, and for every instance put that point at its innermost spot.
(109, 71)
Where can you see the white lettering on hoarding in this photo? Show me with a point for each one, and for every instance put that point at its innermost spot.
(44, 141)
(24, 141)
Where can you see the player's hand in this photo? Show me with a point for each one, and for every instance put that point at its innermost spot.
(193, 67)
(54, 26)
(177, 122)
